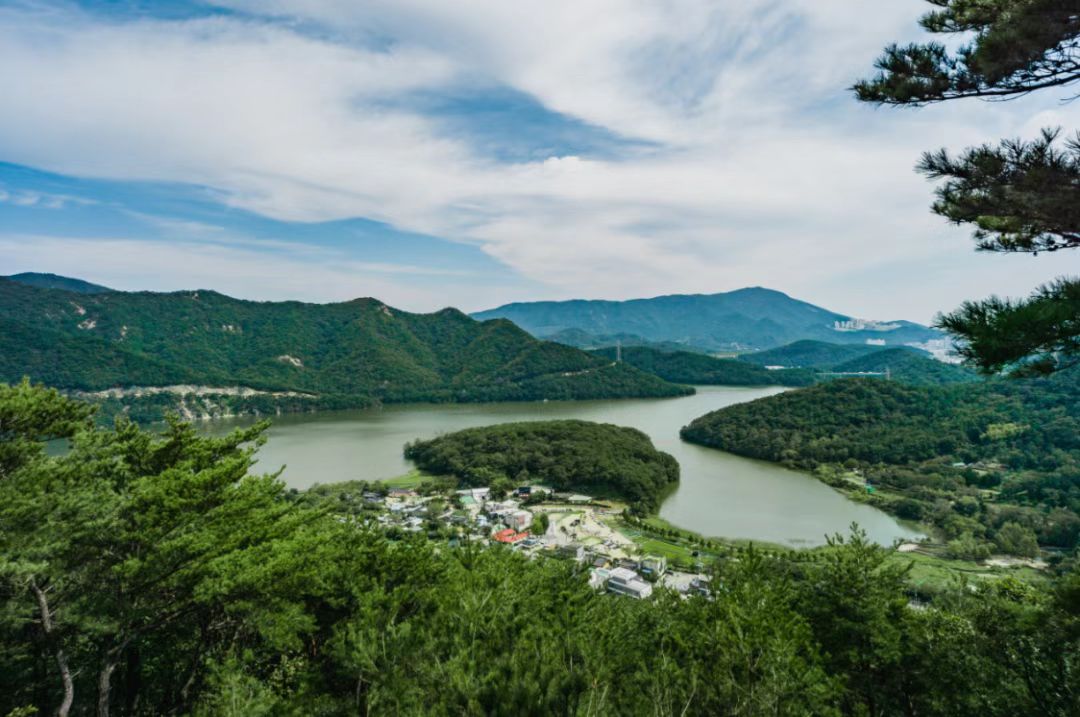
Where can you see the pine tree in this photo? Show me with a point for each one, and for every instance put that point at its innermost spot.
(1021, 196)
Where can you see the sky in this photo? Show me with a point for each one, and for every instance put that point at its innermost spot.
(478, 152)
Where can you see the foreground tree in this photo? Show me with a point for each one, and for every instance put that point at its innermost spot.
(1021, 196)
(149, 573)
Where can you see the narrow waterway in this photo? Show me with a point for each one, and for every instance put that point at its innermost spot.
(719, 494)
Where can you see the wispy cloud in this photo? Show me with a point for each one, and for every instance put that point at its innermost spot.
(609, 148)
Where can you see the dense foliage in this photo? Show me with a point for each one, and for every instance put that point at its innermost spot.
(968, 457)
(347, 354)
(809, 354)
(566, 455)
(753, 318)
(907, 366)
(585, 340)
(902, 363)
(1020, 196)
(696, 368)
(147, 574)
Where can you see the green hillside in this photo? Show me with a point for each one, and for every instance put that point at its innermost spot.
(967, 457)
(752, 318)
(809, 354)
(360, 349)
(908, 366)
(685, 367)
(584, 340)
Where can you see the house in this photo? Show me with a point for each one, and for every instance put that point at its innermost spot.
(623, 581)
(578, 499)
(654, 565)
(598, 578)
(477, 494)
(700, 586)
(509, 536)
(518, 519)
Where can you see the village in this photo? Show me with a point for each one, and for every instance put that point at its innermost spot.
(537, 522)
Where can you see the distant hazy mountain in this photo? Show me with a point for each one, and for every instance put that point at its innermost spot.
(53, 281)
(754, 318)
(343, 354)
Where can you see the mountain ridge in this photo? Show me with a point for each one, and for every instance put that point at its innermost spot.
(361, 350)
(742, 319)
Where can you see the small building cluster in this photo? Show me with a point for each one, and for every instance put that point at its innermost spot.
(575, 528)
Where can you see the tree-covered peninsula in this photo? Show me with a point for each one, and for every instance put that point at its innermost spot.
(566, 455)
(972, 459)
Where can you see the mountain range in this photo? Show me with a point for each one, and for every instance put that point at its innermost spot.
(340, 354)
(745, 319)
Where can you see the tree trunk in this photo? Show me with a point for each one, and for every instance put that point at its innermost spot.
(108, 665)
(61, 658)
(104, 684)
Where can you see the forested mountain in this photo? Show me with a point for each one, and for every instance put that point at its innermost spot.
(694, 368)
(753, 318)
(902, 363)
(567, 455)
(968, 457)
(361, 349)
(907, 366)
(585, 340)
(809, 354)
(55, 281)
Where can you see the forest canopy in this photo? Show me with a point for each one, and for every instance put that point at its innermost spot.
(966, 457)
(154, 573)
(567, 455)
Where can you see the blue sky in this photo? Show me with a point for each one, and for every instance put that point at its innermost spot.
(480, 152)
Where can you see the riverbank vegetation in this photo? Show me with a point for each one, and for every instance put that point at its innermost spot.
(154, 574)
(994, 465)
(566, 455)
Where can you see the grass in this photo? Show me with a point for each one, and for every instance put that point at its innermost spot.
(933, 574)
(414, 478)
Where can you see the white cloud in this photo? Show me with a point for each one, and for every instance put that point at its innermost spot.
(765, 172)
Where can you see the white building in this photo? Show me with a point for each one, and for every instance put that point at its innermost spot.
(624, 581)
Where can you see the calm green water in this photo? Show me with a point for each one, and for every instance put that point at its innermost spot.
(719, 494)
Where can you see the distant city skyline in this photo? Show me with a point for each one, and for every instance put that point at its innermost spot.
(474, 154)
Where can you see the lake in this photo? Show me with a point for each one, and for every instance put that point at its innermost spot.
(719, 494)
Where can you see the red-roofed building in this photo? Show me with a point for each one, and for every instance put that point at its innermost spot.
(510, 536)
